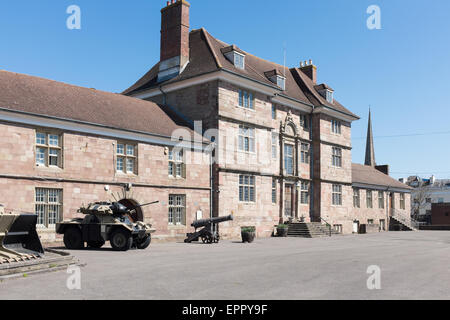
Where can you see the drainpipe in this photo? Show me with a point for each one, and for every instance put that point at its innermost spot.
(164, 95)
(311, 169)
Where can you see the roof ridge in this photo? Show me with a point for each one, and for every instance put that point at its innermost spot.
(208, 43)
(60, 82)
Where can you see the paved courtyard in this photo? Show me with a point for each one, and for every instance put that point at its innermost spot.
(414, 265)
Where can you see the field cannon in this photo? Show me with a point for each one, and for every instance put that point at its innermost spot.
(210, 230)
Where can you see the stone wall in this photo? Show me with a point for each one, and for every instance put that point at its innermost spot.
(88, 166)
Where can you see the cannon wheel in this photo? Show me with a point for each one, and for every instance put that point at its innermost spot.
(216, 239)
(204, 239)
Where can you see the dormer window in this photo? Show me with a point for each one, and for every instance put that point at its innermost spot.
(330, 96)
(276, 77)
(326, 92)
(235, 56)
(281, 82)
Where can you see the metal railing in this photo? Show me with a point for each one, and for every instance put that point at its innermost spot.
(328, 225)
(405, 219)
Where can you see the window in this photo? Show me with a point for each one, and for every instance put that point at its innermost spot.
(336, 158)
(281, 82)
(304, 192)
(336, 126)
(48, 205)
(289, 159)
(356, 198)
(239, 60)
(246, 188)
(177, 167)
(304, 121)
(246, 139)
(126, 158)
(369, 221)
(330, 96)
(369, 199)
(402, 201)
(48, 149)
(337, 195)
(337, 228)
(382, 224)
(177, 209)
(274, 112)
(246, 100)
(274, 145)
(274, 190)
(304, 153)
(381, 199)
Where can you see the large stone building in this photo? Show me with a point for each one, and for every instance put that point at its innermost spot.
(62, 146)
(283, 142)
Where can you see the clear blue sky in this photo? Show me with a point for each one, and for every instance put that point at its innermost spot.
(402, 71)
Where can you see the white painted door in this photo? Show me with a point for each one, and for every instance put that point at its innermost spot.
(355, 226)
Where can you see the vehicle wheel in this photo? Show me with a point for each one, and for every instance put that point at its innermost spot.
(121, 240)
(96, 244)
(144, 243)
(73, 239)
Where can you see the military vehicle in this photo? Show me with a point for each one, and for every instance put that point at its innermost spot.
(210, 230)
(106, 221)
(19, 240)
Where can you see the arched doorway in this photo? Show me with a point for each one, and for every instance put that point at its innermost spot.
(137, 215)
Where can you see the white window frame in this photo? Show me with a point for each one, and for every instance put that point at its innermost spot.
(336, 157)
(239, 60)
(304, 153)
(246, 99)
(402, 201)
(336, 126)
(336, 195)
(274, 145)
(369, 199)
(177, 210)
(281, 82)
(329, 96)
(304, 121)
(48, 148)
(46, 207)
(356, 198)
(247, 188)
(304, 192)
(125, 157)
(176, 163)
(274, 191)
(286, 158)
(246, 139)
(380, 199)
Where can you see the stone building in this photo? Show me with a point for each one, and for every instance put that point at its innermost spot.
(283, 143)
(62, 146)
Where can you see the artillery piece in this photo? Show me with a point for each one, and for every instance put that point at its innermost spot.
(106, 221)
(210, 231)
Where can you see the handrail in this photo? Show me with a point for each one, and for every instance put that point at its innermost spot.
(405, 219)
(329, 225)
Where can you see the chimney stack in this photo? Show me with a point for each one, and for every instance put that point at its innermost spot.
(310, 70)
(174, 39)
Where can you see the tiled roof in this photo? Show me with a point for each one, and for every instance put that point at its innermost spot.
(371, 176)
(40, 96)
(206, 55)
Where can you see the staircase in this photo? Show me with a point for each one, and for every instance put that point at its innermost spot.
(310, 230)
(404, 221)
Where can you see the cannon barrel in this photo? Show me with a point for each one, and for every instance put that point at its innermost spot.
(204, 222)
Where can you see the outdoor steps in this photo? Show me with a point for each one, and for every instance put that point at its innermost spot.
(310, 230)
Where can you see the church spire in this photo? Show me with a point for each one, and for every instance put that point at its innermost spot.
(370, 150)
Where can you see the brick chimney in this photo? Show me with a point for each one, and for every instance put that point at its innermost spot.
(174, 39)
(310, 70)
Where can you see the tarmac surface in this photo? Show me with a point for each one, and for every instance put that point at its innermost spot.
(414, 265)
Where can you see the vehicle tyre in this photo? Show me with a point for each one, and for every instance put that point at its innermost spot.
(144, 243)
(121, 240)
(96, 244)
(73, 239)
